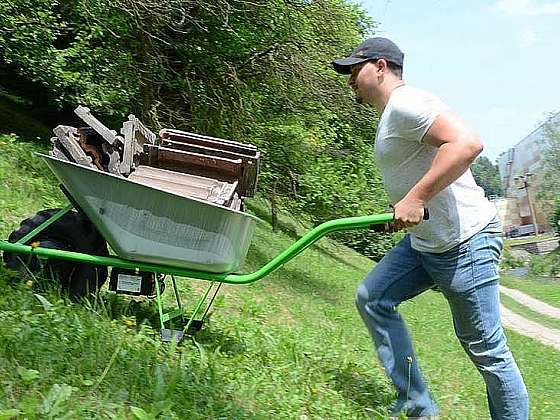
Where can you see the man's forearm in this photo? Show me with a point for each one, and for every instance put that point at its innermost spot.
(450, 162)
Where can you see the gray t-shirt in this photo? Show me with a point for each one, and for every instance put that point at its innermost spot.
(457, 212)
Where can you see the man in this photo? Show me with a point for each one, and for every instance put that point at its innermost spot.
(424, 152)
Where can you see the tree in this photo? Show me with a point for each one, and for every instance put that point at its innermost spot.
(487, 176)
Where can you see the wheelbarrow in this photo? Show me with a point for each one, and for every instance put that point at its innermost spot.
(154, 234)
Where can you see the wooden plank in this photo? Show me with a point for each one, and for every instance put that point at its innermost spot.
(129, 148)
(110, 136)
(211, 167)
(250, 162)
(192, 138)
(185, 185)
(68, 137)
(136, 134)
(114, 159)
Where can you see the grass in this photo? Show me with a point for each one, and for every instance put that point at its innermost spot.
(289, 346)
(543, 289)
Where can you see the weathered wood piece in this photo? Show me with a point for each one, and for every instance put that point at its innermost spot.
(129, 148)
(110, 136)
(185, 185)
(57, 150)
(69, 139)
(235, 203)
(143, 134)
(222, 169)
(219, 148)
(136, 135)
(114, 159)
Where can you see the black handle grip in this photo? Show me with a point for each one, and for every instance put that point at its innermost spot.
(426, 214)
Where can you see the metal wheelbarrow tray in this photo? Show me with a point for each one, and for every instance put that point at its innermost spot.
(150, 225)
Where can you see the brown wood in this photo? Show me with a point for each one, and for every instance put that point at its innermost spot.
(222, 169)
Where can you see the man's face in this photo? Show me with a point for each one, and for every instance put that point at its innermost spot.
(363, 81)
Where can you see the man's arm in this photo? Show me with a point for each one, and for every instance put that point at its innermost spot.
(458, 147)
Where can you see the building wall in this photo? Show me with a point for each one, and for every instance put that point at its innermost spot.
(525, 157)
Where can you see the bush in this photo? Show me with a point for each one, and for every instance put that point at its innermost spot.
(511, 259)
(545, 265)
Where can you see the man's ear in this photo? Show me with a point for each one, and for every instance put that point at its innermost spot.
(380, 66)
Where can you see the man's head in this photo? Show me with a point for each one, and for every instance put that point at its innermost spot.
(375, 66)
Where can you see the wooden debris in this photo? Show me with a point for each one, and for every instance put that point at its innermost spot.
(114, 159)
(110, 136)
(57, 149)
(215, 147)
(69, 139)
(185, 185)
(218, 171)
(136, 135)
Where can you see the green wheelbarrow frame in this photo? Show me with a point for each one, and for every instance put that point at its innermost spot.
(308, 239)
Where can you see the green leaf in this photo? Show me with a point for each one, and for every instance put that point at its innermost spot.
(9, 414)
(28, 375)
(139, 413)
(47, 306)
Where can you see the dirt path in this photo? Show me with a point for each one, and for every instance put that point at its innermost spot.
(528, 328)
(531, 303)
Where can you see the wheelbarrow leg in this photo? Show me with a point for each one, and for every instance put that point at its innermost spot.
(168, 334)
(158, 300)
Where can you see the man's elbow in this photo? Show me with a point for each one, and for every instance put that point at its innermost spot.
(473, 148)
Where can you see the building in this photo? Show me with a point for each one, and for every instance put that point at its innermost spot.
(521, 172)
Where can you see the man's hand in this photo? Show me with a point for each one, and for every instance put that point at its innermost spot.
(408, 213)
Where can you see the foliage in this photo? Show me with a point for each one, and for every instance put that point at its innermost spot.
(512, 258)
(545, 265)
(487, 176)
(251, 70)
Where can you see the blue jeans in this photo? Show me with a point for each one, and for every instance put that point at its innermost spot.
(467, 275)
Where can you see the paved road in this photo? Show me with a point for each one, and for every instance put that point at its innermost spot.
(532, 329)
(532, 303)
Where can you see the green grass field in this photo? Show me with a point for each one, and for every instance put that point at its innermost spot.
(546, 290)
(289, 346)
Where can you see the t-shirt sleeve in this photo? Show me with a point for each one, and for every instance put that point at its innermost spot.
(415, 113)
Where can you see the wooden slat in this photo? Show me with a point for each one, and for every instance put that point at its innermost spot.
(110, 136)
(68, 139)
(198, 139)
(228, 170)
(185, 185)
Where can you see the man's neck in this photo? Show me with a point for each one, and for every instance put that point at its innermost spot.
(385, 94)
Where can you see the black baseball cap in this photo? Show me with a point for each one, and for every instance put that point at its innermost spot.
(370, 49)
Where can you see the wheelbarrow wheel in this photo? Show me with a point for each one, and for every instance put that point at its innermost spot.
(72, 232)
